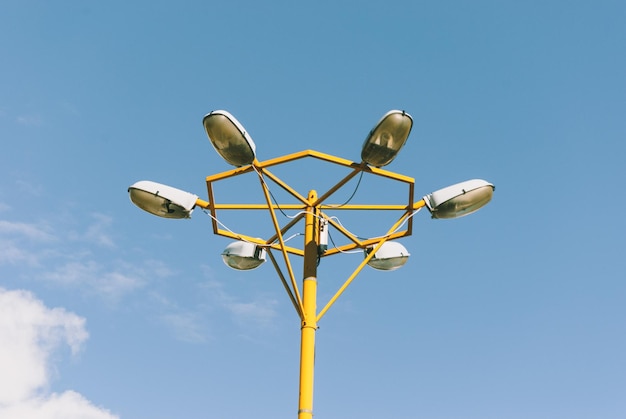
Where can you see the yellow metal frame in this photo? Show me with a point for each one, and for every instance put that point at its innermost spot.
(311, 207)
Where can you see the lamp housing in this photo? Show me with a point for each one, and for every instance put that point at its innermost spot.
(460, 199)
(229, 138)
(390, 256)
(243, 256)
(387, 138)
(162, 200)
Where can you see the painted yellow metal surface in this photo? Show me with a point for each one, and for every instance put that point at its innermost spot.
(309, 309)
(312, 208)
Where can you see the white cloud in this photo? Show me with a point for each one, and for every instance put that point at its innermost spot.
(185, 326)
(12, 234)
(31, 245)
(10, 253)
(261, 311)
(29, 231)
(92, 276)
(116, 284)
(68, 405)
(29, 188)
(29, 120)
(30, 333)
(97, 232)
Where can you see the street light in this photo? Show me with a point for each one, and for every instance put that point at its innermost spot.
(390, 256)
(162, 200)
(381, 252)
(387, 138)
(229, 138)
(459, 200)
(243, 256)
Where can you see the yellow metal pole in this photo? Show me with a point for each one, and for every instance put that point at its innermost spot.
(309, 301)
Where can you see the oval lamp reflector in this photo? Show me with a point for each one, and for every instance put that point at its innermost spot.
(459, 200)
(229, 138)
(243, 256)
(390, 256)
(162, 200)
(387, 138)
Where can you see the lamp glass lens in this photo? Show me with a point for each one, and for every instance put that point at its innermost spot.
(391, 255)
(229, 142)
(157, 205)
(389, 264)
(387, 139)
(242, 263)
(464, 204)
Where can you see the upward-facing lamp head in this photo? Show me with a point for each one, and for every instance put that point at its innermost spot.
(387, 138)
(162, 200)
(229, 138)
(459, 200)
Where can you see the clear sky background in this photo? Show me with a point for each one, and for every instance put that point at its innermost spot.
(517, 311)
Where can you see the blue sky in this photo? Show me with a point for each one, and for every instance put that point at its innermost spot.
(514, 312)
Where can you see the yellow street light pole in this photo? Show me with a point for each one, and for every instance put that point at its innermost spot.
(309, 302)
(233, 143)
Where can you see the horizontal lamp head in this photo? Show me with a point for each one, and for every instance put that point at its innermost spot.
(229, 138)
(243, 256)
(390, 256)
(162, 200)
(387, 138)
(459, 200)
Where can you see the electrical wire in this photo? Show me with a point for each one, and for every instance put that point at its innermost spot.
(271, 194)
(316, 215)
(241, 238)
(341, 251)
(356, 188)
(397, 228)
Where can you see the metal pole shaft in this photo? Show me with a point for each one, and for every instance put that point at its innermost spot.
(309, 319)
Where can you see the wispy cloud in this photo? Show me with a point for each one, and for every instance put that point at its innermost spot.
(29, 120)
(98, 232)
(12, 254)
(191, 323)
(92, 276)
(39, 246)
(186, 326)
(18, 240)
(25, 230)
(30, 333)
(29, 188)
(261, 311)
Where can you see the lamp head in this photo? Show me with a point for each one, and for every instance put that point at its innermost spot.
(459, 200)
(229, 138)
(390, 256)
(162, 200)
(387, 138)
(243, 256)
